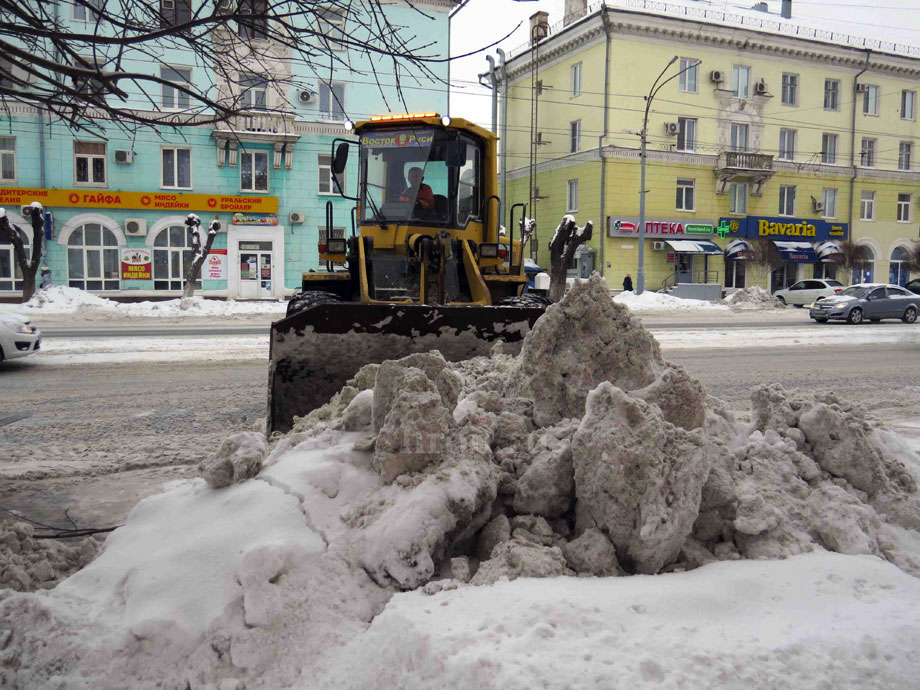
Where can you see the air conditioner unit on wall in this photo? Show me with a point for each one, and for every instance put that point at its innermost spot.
(760, 87)
(818, 205)
(124, 156)
(136, 227)
(862, 88)
(305, 95)
(671, 127)
(25, 211)
(296, 217)
(717, 76)
(659, 246)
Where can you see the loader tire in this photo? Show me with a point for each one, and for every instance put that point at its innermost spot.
(304, 300)
(526, 300)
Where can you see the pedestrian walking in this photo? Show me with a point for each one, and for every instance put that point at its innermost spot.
(46, 278)
(627, 284)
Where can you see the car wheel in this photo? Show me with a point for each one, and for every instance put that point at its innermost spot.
(855, 316)
(822, 320)
(910, 315)
(782, 301)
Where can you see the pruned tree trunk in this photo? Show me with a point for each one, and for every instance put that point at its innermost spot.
(28, 266)
(764, 260)
(193, 223)
(566, 240)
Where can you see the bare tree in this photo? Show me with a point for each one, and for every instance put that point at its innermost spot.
(28, 265)
(107, 66)
(852, 257)
(913, 257)
(764, 260)
(567, 238)
(193, 223)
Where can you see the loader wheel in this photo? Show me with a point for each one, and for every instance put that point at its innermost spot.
(304, 300)
(527, 300)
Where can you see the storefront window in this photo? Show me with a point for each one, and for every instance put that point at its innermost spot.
(898, 272)
(865, 273)
(172, 255)
(10, 274)
(734, 274)
(825, 270)
(92, 258)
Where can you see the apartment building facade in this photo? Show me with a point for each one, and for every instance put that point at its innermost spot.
(762, 129)
(118, 198)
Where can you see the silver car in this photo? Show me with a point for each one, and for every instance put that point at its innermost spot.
(867, 301)
(18, 337)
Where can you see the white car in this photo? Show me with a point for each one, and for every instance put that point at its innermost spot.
(18, 337)
(807, 291)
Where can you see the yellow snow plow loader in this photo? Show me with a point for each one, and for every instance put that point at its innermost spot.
(427, 265)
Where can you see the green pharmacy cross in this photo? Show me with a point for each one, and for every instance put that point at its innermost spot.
(723, 229)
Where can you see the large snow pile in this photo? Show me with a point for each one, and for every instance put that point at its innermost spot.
(752, 298)
(28, 563)
(660, 301)
(390, 540)
(68, 300)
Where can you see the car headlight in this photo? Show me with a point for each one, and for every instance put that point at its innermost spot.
(25, 328)
(836, 305)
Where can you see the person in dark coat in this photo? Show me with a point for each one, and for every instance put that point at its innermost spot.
(627, 284)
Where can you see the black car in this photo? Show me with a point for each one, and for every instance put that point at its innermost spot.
(914, 286)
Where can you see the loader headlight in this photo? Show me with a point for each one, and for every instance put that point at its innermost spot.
(336, 246)
(488, 251)
(445, 121)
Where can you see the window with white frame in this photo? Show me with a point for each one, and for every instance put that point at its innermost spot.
(172, 256)
(829, 148)
(908, 105)
(571, 197)
(790, 91)
(7, 159)
(829, 199)
(91, 87)
(787, 200)
(576, 79)
(739, 136)
(867, 205)
(689, 71)
(786, 144)
(87, 10)
(905, 148)
(10, 272)
(685, 195)
(326, 181)
(870, 99)
(177, 167)
(686, 134)
(255, 25)
(867, 153)
(254, 171)
(175, 12)
(832, 94)
(92, 258)
(575, 136)
(332, 100)
(904, 202)
(737, 197)
(171, 97)
(332, 27)
(253, 91)
(89, 163)
(741, 81)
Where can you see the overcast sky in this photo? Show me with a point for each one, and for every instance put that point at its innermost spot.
(481, 22)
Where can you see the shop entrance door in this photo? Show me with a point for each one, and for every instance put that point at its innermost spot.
(683, 269)
(255, 270)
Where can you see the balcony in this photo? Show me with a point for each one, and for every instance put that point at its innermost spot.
(743, 166)
(256, 127)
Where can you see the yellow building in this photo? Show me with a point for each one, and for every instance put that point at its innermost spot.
(762, 129)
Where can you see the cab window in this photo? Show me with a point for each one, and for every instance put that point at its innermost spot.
(469, 195)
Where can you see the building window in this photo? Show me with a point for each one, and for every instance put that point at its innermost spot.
(89, 163)
(256, 24)
(898, 267)
(741, 82)
(867, 206)
(686, 134)
(326, 182)
(253, 91)
(576, 79)
(92, 88)
(904, 151)
(908, 104)
(10, 273)
(175, 12)
(172, 98)
(88, 10)
(737, 197)
(332, 27)
(904, 201)
(739, 137)
(571, 197)
(172, 256)
(790, 94)
(575, 136)
(177, 168)
(829, 148)
(688, 74)
(254, 171)
(786, 144)
(870, 99)
(685, 194)
(787, 200)
(92, 258)
(332, 100)
(867, 153)
(829, 199)
(8, 159)
(832, 94)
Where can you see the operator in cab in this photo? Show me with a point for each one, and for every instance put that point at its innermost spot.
(418, 192)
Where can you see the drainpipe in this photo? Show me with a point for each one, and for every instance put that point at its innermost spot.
(853, 140)
(601, 139)
(503, 82)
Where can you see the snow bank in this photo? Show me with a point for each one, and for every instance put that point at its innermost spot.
(753, 298)
(659, 301)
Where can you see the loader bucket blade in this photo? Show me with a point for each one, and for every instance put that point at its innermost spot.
(314, 352)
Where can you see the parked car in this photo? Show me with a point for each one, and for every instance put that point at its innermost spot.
(807, 291)
(872, 301)
(18, 337)
(914, 286)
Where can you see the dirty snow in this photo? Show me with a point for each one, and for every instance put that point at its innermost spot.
(752, 298)
(658, 301)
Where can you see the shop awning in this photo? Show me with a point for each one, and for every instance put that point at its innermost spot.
(694, 246)
(828, 252)
(796, 252)
(739, 250)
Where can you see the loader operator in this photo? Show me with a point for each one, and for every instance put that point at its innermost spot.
(420, 193)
